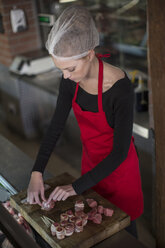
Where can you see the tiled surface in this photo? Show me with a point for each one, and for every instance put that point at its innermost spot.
(57, 165)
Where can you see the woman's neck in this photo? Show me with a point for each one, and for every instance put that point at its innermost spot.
(90, 82)
(92, 75)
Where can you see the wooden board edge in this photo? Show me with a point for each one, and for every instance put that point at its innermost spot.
(107, 233)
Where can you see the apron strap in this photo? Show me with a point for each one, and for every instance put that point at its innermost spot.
(100, 85)
(99, 55)
(75, 94)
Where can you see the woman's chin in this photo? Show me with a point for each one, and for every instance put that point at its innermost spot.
(74, 79)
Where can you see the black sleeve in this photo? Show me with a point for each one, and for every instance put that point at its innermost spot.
(63, 107)
(123, 122)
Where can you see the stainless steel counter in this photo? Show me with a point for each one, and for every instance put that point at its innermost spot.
(28, 103)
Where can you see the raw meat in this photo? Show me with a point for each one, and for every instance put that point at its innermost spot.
(84, 218)
(100, 209)
(11, 211)
(79, 206)
(76, 221)
(60, 232)
(64, 217)
(6, 204)
(92, 203)
(56, 224)
(69, 213)
(79, 213)
(92, 213)
(79, 225)
(47, 206)
(73, 219)
(53, 228)
(64, 223)
(18, 217)
(69, 229)
(108, 212)
(97, 218)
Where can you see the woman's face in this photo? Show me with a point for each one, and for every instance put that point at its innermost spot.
(75, 70)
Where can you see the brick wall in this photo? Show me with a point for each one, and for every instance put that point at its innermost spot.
(11, 43)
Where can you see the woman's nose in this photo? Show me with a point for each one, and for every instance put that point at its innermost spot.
(66, 74)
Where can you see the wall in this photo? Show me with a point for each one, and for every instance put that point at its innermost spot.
(156, 20)
(11, 43)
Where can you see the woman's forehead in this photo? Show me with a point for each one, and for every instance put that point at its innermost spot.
(64, 64)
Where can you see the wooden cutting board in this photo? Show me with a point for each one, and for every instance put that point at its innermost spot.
(92, 233)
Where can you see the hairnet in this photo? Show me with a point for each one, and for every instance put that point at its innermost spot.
(73, 34)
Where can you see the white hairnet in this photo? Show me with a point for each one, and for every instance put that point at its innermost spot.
(73, 34)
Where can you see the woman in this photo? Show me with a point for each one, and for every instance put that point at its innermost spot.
(101, 96)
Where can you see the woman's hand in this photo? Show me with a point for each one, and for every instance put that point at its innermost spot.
(35, 188)
(62, 193)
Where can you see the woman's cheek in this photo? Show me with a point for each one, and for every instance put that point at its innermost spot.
(84, 72)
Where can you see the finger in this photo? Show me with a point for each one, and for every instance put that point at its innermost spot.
(43, 194)
(28, 197)
(58, 193)
(31, 199)
(60, 196)
(53, 194)
(50, 197)
(37, 200)
(65, 196)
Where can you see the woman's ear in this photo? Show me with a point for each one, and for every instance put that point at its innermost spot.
(91, 55)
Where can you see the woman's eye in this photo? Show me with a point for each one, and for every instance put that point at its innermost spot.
(71, 70)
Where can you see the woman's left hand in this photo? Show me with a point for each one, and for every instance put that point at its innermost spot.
(62, 193)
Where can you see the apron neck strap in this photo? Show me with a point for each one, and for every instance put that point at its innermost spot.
(100, 85)
(75, 94)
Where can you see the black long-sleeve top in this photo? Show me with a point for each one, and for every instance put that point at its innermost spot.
(118, 107)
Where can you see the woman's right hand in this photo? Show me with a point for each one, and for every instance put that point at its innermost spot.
(36, 188)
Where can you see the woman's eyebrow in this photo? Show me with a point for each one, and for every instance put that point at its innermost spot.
(69, 67)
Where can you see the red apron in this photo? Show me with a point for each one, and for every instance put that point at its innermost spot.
(123, 186)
